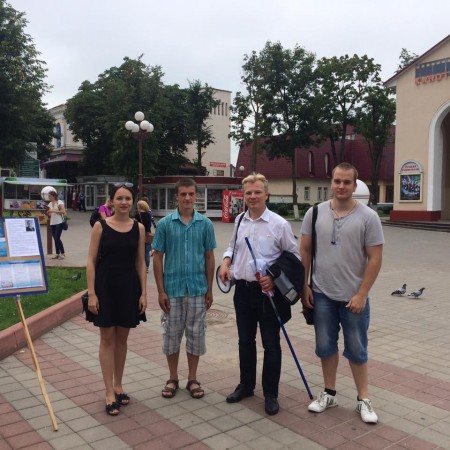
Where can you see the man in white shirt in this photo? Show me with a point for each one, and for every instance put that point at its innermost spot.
(269, 235)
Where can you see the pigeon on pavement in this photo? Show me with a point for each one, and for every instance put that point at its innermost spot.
(417, 293)
(400, 291)
(76, 277)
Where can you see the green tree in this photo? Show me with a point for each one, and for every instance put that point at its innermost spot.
(246, 111)
(23, 116)
(406, 58)
(200, 102)
(374, 120)
(289, 108)
(98, 112)
(344, 83)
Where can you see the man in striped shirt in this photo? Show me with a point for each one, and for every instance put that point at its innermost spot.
(183, 265)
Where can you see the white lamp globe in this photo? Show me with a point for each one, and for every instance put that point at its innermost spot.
(145, 125)
(362, 192)
(139, 116)
(135, 128)
(129, 125)
(45, 191)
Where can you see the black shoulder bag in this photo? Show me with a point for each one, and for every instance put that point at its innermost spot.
(85, 296)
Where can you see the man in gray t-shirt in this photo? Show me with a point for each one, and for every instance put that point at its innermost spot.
(348, 258)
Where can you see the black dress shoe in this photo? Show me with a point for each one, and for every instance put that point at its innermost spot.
(271, 406)
(239, 393)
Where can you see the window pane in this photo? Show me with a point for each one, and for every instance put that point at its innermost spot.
(214, 199)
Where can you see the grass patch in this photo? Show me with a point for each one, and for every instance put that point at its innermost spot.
(60, 287)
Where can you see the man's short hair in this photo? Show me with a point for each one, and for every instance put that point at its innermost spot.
(185, 182)
(253, 177)
(346, 166)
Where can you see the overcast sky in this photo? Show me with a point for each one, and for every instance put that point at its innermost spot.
(206, 40)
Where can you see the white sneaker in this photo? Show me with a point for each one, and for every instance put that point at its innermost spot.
(364, 407)
(323, 402)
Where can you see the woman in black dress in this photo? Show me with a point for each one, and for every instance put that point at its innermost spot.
(116, 278)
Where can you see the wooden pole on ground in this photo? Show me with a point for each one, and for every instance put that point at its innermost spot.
(36, 364)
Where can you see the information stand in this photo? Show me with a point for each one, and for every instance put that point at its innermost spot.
(22, 271)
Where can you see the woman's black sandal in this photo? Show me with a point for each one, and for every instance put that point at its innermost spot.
(122, 399)
(170, 392)
(112, 409)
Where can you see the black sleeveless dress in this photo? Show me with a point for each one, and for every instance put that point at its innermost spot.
(116, 279)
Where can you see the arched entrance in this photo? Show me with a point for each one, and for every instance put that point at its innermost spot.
(439, 162)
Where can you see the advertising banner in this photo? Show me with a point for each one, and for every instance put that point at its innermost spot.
(232, 205)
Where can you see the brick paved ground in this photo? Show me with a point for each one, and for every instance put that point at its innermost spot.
(409, 373)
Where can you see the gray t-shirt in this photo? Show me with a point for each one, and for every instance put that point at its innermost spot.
(339, 267)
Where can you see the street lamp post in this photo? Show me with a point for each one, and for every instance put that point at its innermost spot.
(139, 131)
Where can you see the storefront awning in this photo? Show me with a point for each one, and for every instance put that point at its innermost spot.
(63, 158)
(35, 181)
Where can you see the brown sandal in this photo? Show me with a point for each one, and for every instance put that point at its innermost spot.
(170, 392)
(197, 392)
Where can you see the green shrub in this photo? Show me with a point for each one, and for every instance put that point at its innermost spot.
(283, 210)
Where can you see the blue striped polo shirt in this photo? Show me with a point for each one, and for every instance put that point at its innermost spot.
(184, 248)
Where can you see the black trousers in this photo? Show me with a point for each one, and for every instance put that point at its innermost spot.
(253, 308)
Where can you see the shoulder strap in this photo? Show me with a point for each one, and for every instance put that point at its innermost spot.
(313, 241)
(100, 246)
(235, 237)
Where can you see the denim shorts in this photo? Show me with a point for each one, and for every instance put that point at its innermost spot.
(329, 317)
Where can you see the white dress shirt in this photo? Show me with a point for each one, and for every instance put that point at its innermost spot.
(269, 236)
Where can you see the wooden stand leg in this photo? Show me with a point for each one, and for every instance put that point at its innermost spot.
(36, 364)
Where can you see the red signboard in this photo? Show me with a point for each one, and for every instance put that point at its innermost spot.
(217, 164)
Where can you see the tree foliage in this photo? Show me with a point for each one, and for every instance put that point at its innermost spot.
(344, 84)
(406, 58)
(374, 120)
(98, 112)
(289, 108)
(23, 117)
(201, 101)
(246, 111)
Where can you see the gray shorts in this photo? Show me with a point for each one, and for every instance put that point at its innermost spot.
(187, 315)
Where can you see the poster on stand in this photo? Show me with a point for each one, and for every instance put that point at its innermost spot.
(22, 267)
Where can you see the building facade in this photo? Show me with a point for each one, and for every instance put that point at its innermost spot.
(422, 138)
(313, 170)
(216, 157)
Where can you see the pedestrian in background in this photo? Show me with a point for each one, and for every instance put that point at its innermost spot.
(347, 261)
(106, 210)
(81, 202)
(143, 216)
(56, 212)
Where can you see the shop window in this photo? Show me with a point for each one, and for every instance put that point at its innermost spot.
(162, 198)
(171, 200)
(214, 199)
(9, 191)
(200, 204)
(153, 193)
(319, 194)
